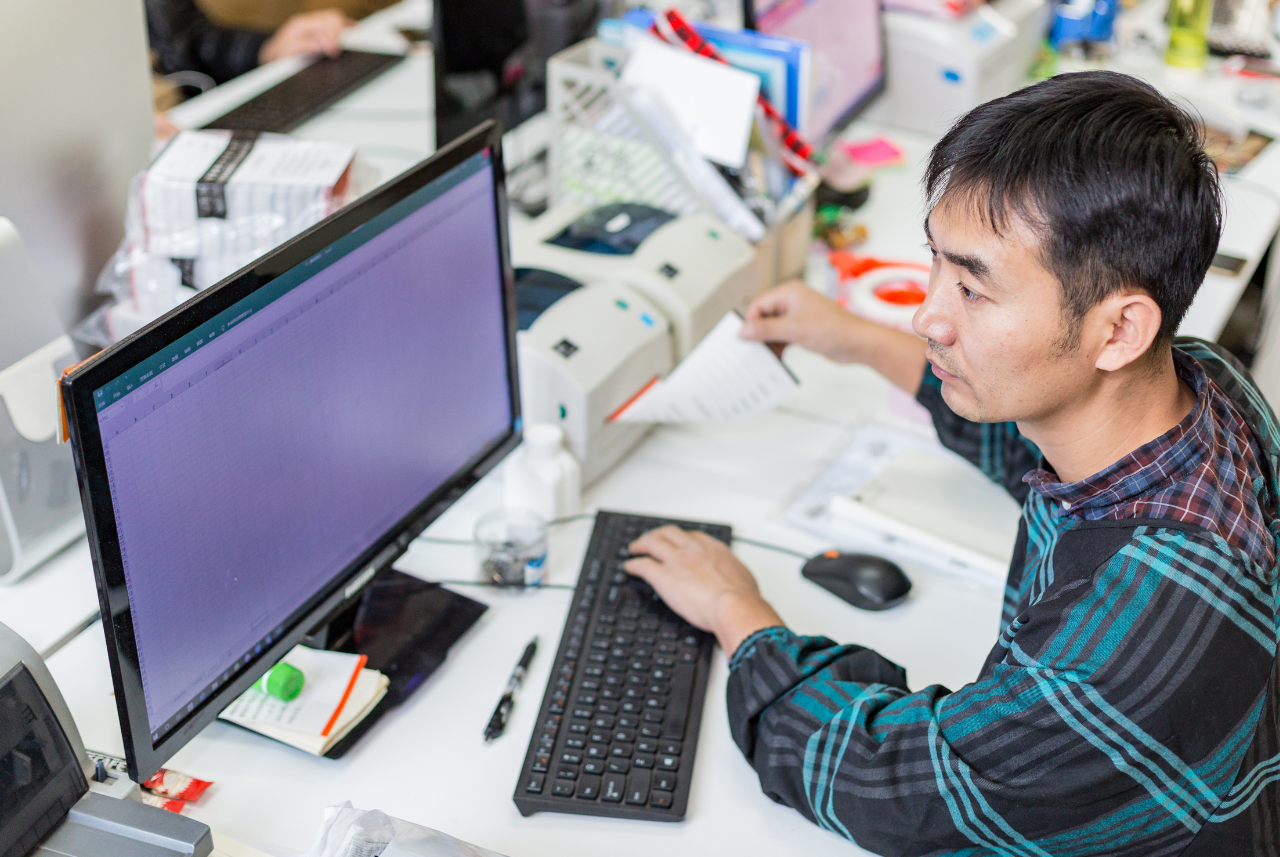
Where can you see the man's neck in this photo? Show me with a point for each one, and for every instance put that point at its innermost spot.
(1126, 410)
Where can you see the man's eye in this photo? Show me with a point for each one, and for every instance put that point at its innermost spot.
(967, 294)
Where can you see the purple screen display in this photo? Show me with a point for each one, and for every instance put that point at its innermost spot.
(248, 475)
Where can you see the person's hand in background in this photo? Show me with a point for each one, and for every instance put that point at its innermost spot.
(307, 33)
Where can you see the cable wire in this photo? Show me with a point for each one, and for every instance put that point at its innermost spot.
(772, 547)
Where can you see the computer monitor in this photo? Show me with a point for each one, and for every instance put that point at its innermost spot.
(75, 106)
(250, 460)
(846, 59)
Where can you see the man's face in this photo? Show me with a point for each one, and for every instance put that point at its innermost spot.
(994, 322)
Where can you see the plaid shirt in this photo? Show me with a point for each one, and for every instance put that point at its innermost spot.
(1131, 705)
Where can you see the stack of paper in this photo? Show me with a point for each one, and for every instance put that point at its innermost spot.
(213, 202)
(338, 692)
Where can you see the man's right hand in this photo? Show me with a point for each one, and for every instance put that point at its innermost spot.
(793, 313)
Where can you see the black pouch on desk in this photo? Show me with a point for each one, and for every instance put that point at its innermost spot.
(404, 626)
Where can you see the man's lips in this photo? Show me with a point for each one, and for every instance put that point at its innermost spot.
(943, 373)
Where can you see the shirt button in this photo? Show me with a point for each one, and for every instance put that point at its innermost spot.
(1066, 506)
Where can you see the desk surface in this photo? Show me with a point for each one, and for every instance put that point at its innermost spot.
(427, 762)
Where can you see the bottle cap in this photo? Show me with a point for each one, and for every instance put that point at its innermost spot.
(283, 681)
(544, 440)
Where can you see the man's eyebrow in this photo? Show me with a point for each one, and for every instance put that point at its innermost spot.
(972, 264)
(975, 266)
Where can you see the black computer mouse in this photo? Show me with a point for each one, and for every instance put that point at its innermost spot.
(866, 581)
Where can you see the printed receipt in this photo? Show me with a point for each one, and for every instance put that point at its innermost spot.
(724, 378)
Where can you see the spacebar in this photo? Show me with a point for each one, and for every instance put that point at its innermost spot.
(678, 702)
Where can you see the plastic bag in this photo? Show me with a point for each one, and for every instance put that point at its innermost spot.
(210, 203)
(351, 832)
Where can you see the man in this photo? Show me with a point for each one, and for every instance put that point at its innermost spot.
(1131, 704)
(184, 39)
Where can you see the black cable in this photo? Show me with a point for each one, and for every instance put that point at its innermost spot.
(555, 522)
(767, 546)
(503, 585)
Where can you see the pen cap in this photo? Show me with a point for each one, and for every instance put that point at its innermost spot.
(283, 681)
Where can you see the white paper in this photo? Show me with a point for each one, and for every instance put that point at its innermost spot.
(326, 677)
(712, 102)
(724, 378)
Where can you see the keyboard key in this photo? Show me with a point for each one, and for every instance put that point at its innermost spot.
(572, 743)
(588, 787)
(534, 784)
(651, 730)
(646, 745)
(638, 788)
(567, 773)
(613, 787)
(607, 706)
(671, 748)
(597, 751)
(664, 780)
(578, 727)
(541, 762)
(603, 721)
(656, 702)
(593, 766)
(619, 766)
(668, 763)
(678, 705)
(601, 736)
(625, 736)
(642, 760)
(571, 758)
(585, 699)
(660, 799)
(628, 721)
(653, 715)
(563, 788)
(622, 750)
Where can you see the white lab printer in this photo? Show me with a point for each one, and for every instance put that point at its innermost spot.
(53, 801)
(692, 267)
(585, 350)
(938, 69)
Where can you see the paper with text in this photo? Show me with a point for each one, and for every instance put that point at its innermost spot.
(328, 680)
(724, 378)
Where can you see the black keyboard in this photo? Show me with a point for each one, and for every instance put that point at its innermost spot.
(619, 722)
(296, 99)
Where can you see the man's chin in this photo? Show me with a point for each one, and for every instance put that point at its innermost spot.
(962, 403)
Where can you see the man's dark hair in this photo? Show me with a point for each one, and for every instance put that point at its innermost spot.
(1110, 174)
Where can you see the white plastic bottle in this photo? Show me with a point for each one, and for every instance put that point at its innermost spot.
(543, 476)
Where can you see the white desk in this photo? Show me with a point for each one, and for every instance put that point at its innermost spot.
(427, 762)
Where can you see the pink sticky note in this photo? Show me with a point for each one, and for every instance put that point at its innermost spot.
(880, 152)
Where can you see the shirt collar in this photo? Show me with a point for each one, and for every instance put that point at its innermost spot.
(1150, 465)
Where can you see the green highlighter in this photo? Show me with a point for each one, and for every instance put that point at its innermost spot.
(283, 681)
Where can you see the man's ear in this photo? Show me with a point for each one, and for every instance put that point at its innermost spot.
(1126, 325)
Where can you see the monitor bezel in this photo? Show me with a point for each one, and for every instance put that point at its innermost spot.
(852, 111)
(143, 757)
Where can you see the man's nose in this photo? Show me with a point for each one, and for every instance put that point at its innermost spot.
(933, 319)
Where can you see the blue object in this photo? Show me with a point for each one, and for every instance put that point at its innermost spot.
(1086, 21)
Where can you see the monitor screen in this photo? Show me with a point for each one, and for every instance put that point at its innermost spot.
(254, 461)
(846, 53)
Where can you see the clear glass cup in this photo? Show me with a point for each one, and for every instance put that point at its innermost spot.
(512, 547)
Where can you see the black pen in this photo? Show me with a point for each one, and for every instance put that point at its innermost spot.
(498, 721)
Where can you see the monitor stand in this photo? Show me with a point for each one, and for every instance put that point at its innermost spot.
(404, 626)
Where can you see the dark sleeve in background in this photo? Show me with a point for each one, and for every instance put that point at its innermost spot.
(997, 449)
(184, 39)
